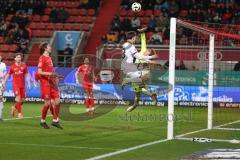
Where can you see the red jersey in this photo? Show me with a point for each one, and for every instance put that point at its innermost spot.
(18, 72)
(45, 63)
(86, 72)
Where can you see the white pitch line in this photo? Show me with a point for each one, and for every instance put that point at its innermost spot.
(11, 119)
(222, 125)
(126, 150)
(59, 146)
(230, 129)
(152, 143)
(185, 134)
(202, 130)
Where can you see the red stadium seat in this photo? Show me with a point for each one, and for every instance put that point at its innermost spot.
(144, 20)
(50, 26)
(71, 19)
(13, 48)
(85, 27)
(47, 11)
(3, 55)
(83, 12)
(33, 25)
(51, 4)
(76, 27)
(90, 12)
(79, 19)
(89, 20)
(9, 56)
(60, 4)
(8, 62)
(45, 18)
(1, 39)
(4, 47)
(47, 33)
(183, 13)
(41, 26)
(37, 33)
(157, 13)
(36, 18)
(74, 12)
(123, 13)
(59, 26)
(69, 4)
(76, 4)
(67, 27)
(148, 13)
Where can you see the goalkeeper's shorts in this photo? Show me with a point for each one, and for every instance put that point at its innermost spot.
(137, 87)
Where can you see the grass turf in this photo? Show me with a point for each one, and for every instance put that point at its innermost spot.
(116, 130)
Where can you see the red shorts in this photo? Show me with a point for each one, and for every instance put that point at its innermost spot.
(19, 91)
(49, 92)
(87, 86)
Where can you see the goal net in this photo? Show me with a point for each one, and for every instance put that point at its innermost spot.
(204, 69)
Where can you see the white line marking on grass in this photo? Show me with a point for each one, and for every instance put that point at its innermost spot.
(59, 146)
(222, 125)
(230, 129)
(127, 150)
(156, 142)
(12, 119)
(202, 130)
(185, 134)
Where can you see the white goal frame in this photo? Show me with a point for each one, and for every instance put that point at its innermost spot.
(172, 54)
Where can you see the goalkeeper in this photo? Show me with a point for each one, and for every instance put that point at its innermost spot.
(136, 74)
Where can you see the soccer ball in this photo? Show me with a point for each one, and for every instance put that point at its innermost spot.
(136, 7)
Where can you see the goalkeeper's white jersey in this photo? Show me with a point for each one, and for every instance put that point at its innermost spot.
(129, 50)
(130, 53)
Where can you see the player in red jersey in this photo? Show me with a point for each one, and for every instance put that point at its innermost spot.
(18, 70)
(36, 79)
(48, 85)
(85, 74)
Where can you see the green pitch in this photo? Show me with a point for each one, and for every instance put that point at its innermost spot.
(114, 131)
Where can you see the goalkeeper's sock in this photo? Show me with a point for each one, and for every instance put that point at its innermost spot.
(1, 109)
(19, 107)
(44, 113)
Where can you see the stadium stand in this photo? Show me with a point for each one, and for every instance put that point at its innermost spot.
(40, 18)
(158, 12)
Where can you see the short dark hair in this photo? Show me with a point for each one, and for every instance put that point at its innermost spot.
(131, 34)
(42, 47)
(18, 54)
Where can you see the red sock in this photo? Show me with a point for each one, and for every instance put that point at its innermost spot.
(87, 102)
(92, 102)
(44, 112)
(19, 107)
(51, 110)
(57, 109)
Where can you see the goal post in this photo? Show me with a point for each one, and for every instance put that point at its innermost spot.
(213, 81)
